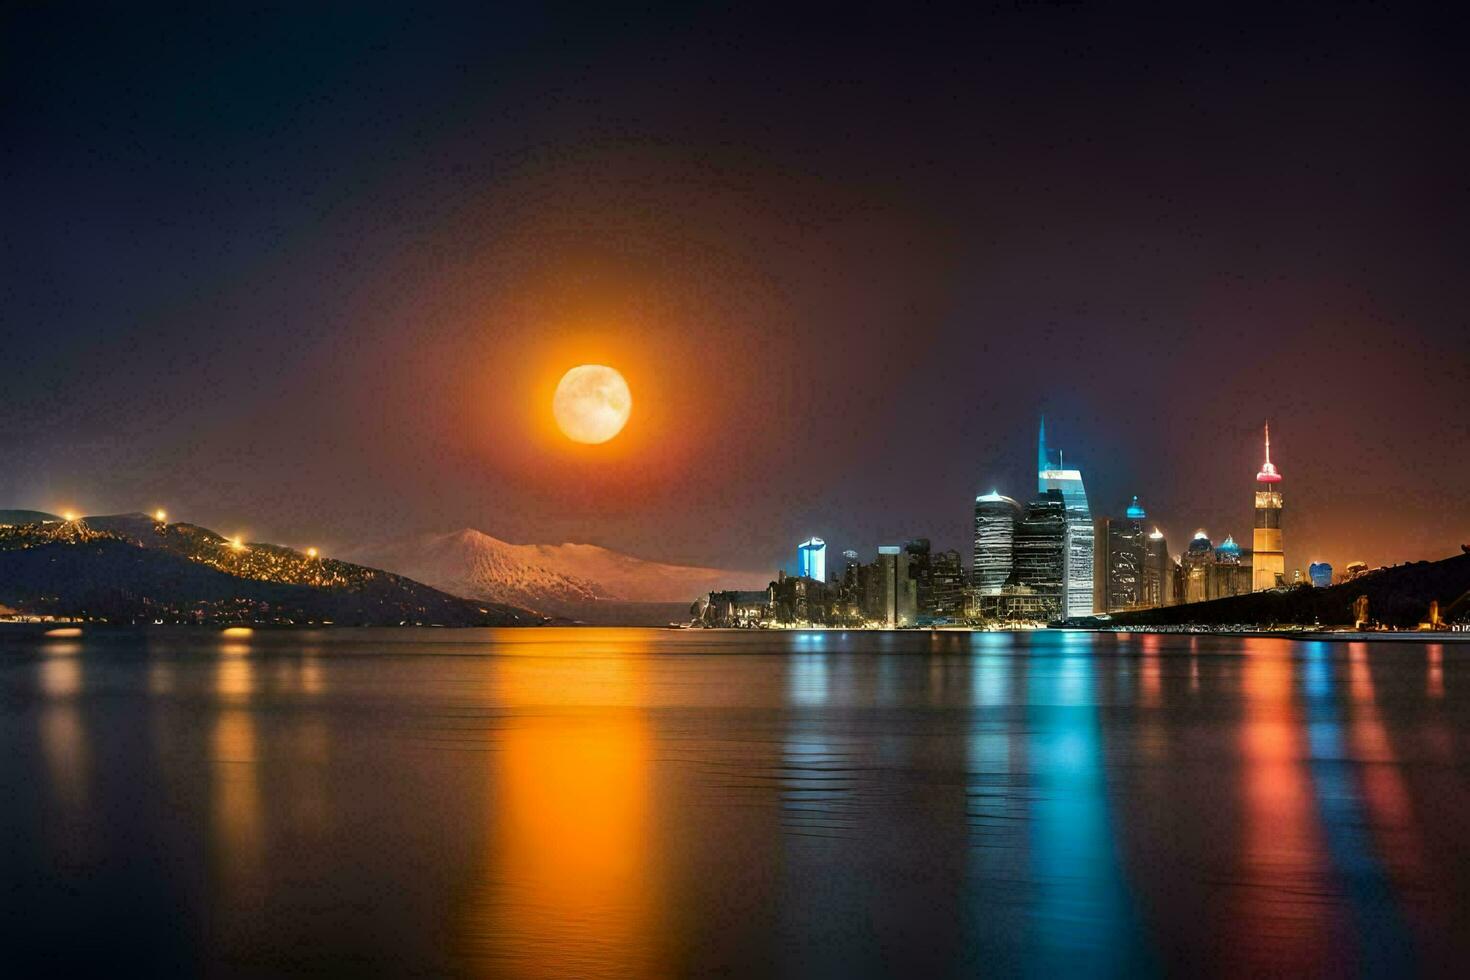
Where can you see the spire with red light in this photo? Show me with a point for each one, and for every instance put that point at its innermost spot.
(1268, 472)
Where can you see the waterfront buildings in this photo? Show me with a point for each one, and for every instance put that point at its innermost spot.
(1268, 558)
(811, 559)
(732, 608)
(1231, 572)
(947, 586)
(896, 594)
(996, 518)
(799, 599)
(917, 550)
(1119, 561)
(1196, 562)
(1053, 475)
(1158, 572)
(1040, 560)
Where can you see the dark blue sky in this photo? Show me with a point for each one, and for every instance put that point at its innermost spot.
(306, 274)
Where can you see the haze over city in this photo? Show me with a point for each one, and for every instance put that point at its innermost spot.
(314, 276)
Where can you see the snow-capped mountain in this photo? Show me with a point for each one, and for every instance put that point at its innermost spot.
(561, 578)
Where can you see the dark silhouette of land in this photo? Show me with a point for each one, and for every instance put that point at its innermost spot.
(128, 569)
(1398, 597)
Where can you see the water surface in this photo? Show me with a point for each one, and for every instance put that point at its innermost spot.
(558, 802)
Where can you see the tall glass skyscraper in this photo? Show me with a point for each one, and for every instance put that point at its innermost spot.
(996, 517)
(1041, 552)
(811, 559)
(1051, 475)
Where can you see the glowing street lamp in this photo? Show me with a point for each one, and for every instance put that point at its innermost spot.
(160, 516)
(68, 516)
(236, 544)
(311, 552)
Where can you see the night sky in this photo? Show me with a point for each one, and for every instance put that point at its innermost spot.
(312, 276)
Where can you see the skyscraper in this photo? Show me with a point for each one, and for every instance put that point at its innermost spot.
(917, 550)
(811, 559)
(996, 517)
(1041, 553)
(1118, 561)
(946, 585)
(1158, 572)
(1077, 587)
(1197, 559)
(896, 593)
(1268, 559)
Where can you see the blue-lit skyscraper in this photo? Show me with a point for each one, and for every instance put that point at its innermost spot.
(811, 559)
(1051, 475)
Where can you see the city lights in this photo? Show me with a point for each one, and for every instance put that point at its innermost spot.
(311, 552)
(236, 544)
(160, 515)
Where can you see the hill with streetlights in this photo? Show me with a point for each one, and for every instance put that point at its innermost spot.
(140, 568)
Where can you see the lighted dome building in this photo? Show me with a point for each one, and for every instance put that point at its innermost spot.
(1231, 572)
(1268, 559)
(996, 518)
(1197, 559)
(1158, 577)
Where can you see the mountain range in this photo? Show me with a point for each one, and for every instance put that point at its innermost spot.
(131, 568)
(578, 581)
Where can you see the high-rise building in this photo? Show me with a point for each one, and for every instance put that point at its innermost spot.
(850, 593)
(1053, 475)
(811, 559)
(1158, 578)
(1196, 561)
(1267, 558)
(896, 592)
(1320, 573)
(947, 585)
(996, 517)
(1231, 572)
(1118, 561)
(1041, 553)
(917, 550)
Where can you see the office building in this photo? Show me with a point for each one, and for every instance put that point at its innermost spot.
(1158, 578)
(1041, 555)
(896, 592)
(996, 518)
(1118, 561)
(811, 559)
(1053, 475)
(1196, 562)
(946, 586)
(1230, 574)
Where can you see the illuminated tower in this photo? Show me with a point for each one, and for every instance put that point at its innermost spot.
(811, 556)
(1077, 586)
(1269, 561)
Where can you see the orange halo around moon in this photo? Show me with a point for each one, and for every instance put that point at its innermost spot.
(592, 403)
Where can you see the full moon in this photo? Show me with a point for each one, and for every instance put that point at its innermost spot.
(592, 403)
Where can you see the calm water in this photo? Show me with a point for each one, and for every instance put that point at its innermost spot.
(622, 802)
